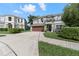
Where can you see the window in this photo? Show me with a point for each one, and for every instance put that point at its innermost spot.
(58, 26)
(9, 18)
(18, 20)
(41, 20)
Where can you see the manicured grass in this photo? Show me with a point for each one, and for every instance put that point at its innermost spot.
(4, 32)
(52, 35)
(2, 35)
(56, 36)
(46, 49)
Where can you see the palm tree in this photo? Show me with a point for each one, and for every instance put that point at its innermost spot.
(30, 19)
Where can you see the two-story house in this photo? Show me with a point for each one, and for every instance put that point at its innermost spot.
(12, 21)
(50, 23)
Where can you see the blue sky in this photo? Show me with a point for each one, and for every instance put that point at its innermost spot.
(24, 9)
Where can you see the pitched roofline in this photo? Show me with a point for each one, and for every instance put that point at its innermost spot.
(12, 15)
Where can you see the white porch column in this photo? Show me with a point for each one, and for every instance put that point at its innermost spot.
(45, 28)
(52, 28)
(31, 28)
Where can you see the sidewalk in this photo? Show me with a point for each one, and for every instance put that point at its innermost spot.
(62, 43)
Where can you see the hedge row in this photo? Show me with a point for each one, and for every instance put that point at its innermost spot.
(70, 33)
(15, 30)
(3, 29)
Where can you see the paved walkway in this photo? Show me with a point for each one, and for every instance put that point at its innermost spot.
(66, 44)
(23, 44)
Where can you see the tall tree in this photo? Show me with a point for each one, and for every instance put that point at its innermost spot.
(71, 15)
(30, 19)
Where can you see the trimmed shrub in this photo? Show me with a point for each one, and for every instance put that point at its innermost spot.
(15, 30)
(21, 29)
(70, 33)
(3, 29)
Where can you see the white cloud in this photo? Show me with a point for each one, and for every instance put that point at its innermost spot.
(28, 8)
(42, 6)
(17, 11)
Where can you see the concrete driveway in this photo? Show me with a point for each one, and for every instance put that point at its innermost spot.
(23, 44)
(26, 44)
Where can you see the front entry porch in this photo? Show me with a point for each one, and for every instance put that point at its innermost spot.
(48, 27)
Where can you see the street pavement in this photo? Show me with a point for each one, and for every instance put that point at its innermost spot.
(22, 44)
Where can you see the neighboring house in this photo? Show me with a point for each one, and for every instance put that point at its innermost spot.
(12, 21)
(50, 23)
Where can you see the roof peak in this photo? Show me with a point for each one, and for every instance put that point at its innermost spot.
(11, 15)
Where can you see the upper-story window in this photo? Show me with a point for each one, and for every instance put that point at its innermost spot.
(41, 20)
(9, 18)
(48, 20)
(57, 18)
(18, 20)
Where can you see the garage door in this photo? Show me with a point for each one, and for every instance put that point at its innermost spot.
(37, 28)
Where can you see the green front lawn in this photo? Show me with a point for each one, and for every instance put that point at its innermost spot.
(52, 35)
(46, 49)
(56, 36)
